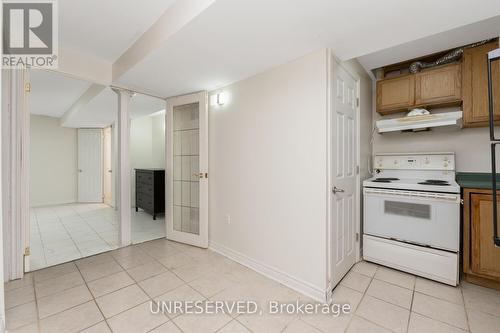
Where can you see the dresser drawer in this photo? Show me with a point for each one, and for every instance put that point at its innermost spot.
(145, 189)
(145, 178)
(144, 201)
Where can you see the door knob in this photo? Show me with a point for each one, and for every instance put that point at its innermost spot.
(337, 190)
(199, 175)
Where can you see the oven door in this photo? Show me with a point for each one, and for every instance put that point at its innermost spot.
(423, 218)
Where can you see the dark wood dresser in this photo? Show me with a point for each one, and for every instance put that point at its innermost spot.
(150, 191)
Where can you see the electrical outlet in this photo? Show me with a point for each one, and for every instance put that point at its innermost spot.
(228, 219)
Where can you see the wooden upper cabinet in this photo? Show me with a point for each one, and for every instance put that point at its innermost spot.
(439, 86)
(395, 94)
(475, 86)
(485, 257)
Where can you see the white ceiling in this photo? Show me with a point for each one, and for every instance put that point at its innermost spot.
(234, 39)
(470, 33)
(143, 105)
(52, 93)
(99, 112)
(106, 28)
(103, 109)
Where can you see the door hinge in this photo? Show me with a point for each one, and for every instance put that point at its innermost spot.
(27, 251)
(357, 169)
(357, 237)
(27, 87)
(357, 102)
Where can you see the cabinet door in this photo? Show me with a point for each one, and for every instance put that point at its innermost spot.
(475, 85)
(485, 257)
(395, 94)
(439, 86)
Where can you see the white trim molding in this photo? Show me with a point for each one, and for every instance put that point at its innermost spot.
(292, 282)
(123, 167)
(15, 171)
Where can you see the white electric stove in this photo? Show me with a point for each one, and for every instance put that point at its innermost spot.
(412, 215)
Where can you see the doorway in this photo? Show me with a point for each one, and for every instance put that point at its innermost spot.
(70, 216)
(147, 168)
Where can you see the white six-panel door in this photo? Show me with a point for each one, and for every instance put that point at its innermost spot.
(186, 175)
(344, 174)
(90, 165)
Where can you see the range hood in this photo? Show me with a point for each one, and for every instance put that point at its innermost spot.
(421, 122)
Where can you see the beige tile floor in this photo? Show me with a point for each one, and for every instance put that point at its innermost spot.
(63, 233)
(111, 292)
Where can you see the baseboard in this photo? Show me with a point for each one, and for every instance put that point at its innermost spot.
(54, 204)
(271, 272)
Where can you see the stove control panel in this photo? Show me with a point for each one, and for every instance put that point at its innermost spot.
(441, 161)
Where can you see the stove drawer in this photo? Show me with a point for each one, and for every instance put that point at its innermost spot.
(433, 264)
(422, 218)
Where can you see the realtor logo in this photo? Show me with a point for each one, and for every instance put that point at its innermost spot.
(30, 35)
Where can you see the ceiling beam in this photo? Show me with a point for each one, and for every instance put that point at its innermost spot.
(173, 20)
(80, 103)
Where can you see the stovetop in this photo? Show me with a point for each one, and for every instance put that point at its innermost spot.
(414, 184)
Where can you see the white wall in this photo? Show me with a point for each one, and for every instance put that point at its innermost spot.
(268, 171)
(471, 145)
(158, 132)
(147, 145)
(53, 169)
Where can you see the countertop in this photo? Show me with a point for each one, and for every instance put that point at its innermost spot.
(476, 180)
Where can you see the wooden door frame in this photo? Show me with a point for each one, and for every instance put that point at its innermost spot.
(332, 64)
(202, 99)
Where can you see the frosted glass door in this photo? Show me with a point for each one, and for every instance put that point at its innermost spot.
(187, 169)
(186, 217)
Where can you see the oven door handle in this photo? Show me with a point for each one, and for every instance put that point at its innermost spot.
(414, 194)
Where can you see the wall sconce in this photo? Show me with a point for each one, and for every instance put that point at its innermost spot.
(219, 99)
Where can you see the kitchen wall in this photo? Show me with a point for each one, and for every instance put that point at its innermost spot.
(471, 145)
(268, 170)
(53, 169)
(147, 145)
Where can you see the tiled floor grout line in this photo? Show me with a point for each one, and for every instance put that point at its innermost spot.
(365, 293)
(86, 222)
(142, 250)
(412, 300)
(139, 286)
(465, 309)
(69, 234)
(41, 240)
(67, 211)
(93, 299)
(150, 298)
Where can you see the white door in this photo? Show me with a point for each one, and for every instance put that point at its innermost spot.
(344, 177)
(187, 169)
(107, 166)
(90, 165)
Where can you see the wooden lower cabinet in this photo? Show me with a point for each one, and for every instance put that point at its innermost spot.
(481, 259)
